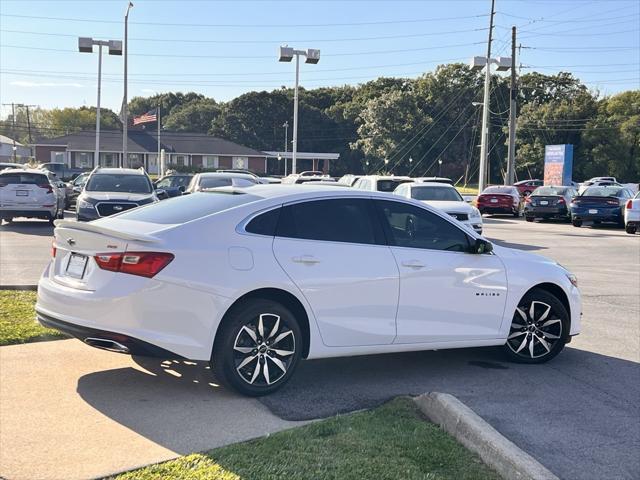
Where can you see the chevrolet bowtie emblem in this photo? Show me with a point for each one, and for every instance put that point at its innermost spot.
(71, 241)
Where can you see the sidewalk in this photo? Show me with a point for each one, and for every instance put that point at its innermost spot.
(71, 411)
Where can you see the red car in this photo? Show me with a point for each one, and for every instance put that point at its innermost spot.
(525, 187)
(500, 199)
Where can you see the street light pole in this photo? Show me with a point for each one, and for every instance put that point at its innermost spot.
(484, 149)
(286, 141)
(97, 154)
(85, 45)
(286, 55)
(511, 154)
(125, 116)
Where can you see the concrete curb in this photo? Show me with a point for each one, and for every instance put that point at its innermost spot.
(19, 287)
(478, 436)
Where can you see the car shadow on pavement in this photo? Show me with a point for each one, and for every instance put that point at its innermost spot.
(572, 413)
(29, 227)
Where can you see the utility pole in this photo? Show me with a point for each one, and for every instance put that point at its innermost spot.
(511, 157)
(125, 123)
(484, 146)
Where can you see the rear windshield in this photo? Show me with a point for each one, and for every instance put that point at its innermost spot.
(504, 190)
(389, 185)
(549, 191)
(601, 192)
(436, 194)
(189, 207)
(118, 182)
(23, 179)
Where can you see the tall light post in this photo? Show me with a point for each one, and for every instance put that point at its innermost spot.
(286, 55)
(286, 141)
(85, 45)
(125, 116)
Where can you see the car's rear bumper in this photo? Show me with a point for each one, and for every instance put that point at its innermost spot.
(602, 214)
(496, 208)
(170, 317)
(115, 342)
(29, 212)
(546, 212)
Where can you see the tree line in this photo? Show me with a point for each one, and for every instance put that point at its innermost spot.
(402, 126)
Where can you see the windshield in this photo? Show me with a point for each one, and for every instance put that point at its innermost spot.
(389, 185)
(549, 191)
(601, 192)
(189, 207)
(503, 190)
(118, 182)
(443, 194)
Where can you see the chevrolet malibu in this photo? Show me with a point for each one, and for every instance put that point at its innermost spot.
(254, 280)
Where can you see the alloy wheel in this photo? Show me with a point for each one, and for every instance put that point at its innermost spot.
(263, 350)
(535, 330)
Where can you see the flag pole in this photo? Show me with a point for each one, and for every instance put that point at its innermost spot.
(158, 159)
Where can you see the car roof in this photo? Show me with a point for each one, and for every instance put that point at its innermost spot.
(13, 171)
(386, 177)
(120, 171)
(227, 175)
(429, 184)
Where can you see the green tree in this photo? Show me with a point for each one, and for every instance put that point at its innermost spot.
(195, 116)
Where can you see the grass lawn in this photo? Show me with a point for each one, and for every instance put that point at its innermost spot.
(468, 190)
(389, 442)
(17, 319)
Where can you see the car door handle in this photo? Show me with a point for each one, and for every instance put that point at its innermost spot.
(306, 259)
(413, 264)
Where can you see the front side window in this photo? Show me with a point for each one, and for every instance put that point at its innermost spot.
(389, 185)
(332, 220)
(410, 226)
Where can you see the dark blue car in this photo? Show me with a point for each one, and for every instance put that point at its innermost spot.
(174, 185)
(600, 205)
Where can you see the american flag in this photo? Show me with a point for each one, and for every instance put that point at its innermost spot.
(150, 116)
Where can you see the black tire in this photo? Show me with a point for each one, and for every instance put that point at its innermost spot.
(631, 229)
(529, 219)
(576, 222)
(52, 218)
(516, 214)
(238, 330)
(539, 338)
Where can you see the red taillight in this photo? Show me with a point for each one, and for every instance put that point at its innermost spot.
(613, 202)
(629, 204)
(561, 200)
(47, 186)
(144, 264)
(53, 249)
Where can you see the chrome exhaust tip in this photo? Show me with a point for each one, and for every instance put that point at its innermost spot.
(106, 344)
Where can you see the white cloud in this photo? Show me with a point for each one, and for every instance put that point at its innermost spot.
(28, 84)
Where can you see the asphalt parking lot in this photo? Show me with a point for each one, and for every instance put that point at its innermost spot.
(579, 414)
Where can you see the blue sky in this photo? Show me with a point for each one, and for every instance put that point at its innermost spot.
(225, 48)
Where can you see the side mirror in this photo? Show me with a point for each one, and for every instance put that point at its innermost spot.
(482, 246)
(181, 188)
(162, 193)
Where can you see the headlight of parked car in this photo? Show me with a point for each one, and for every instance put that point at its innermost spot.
(475, 213)
(83, 205)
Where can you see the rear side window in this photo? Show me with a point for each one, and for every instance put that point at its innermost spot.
(186, 208)
(414, 227)
(23, 179)
(389, 185)
(265, 223)
(348, 220)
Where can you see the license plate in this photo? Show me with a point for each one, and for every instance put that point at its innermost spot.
(593, 210)
(544, 202)
(494, 200)
(77, 265)
(22, 193)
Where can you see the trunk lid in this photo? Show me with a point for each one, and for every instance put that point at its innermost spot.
(546, 200)
(596, 201)
(76, 244)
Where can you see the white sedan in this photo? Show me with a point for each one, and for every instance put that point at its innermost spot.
(256, 279)
(444, 197)
(632, 214)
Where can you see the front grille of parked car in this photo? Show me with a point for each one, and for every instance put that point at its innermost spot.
(459, 216)
(109, 208)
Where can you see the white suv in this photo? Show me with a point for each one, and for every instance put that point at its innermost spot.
(30, 193)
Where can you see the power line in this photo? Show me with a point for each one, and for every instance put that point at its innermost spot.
(237, 41)
(250, 25)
